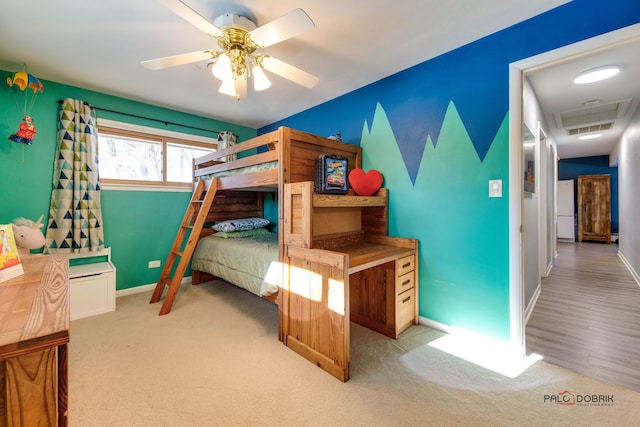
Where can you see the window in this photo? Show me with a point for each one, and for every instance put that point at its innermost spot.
(133, 157)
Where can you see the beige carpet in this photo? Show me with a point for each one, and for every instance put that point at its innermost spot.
(215, 360)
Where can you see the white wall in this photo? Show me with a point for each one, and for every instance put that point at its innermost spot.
(629, 201)
(551, 233)
(538, 210)
(531, 114)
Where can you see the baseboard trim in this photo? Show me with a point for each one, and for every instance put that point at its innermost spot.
(627, 264)
(532, 303)
(144, 288)
(549, 268)
(489, 341)
(566, 240)
(434, 325)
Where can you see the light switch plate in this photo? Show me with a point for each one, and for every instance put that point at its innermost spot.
(495, 188)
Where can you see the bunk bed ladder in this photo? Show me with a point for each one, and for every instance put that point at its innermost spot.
(194, 219)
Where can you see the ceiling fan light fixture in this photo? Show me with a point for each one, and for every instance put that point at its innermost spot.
(260, 80)
(240, 85)
(222, 68)
(239, 38)
(228, 87)
(596, 74)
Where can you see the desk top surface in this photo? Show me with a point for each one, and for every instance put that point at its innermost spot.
(367, 255)
(34, 307)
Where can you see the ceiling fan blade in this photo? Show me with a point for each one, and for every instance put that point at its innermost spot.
(194, 18)
(290, 25)
(289, 72)
(172, 61)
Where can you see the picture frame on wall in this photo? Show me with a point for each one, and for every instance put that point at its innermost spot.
(529, 154)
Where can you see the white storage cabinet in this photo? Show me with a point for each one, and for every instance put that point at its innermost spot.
(92, 285)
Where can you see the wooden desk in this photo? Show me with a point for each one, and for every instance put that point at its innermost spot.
(382, 293)
(34, 332)
(340, 265)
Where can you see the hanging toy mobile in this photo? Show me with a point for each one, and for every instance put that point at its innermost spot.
(24, 83)
(26, 133)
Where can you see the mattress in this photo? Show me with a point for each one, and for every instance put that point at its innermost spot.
(245, 170)
(249, 262)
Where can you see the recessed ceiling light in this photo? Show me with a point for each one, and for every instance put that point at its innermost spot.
(590, 136)
(596, 74)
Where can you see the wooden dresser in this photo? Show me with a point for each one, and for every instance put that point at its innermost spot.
(341, 266)
(594, 208)
(34, 332)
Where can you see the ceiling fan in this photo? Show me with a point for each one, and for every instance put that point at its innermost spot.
(241, 40)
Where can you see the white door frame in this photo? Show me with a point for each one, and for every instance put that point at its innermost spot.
(517, 70)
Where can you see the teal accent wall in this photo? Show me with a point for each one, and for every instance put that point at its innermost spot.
(139, 226)
(442, 210)
(438, 132)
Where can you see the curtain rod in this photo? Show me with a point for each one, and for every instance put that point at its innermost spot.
(166, 123)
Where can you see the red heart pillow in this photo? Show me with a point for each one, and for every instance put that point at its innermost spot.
(365, 183)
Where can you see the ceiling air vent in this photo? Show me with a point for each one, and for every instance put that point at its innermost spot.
(588, 129)
(592, 115)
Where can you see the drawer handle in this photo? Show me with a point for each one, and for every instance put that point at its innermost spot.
(406, 299)
(406, 282)
(406, 265)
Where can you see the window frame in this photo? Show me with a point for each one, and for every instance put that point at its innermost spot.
(153, 135)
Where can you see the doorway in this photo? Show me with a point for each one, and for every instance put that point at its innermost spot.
(517, 73)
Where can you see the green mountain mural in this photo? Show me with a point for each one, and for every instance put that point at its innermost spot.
(463, 233)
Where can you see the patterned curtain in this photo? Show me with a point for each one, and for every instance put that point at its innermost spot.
(75, 218)
(225, 140)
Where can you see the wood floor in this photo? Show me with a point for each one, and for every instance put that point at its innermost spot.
(587, 317)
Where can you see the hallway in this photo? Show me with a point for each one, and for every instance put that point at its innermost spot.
(587, 318)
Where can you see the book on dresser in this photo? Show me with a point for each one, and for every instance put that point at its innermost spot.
(10, 265)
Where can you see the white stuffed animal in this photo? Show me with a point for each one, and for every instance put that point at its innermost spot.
(28, 234)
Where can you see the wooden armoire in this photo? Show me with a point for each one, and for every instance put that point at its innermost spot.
(594, 208)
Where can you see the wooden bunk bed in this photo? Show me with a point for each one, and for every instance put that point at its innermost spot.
(284, 156)
(267, 162)
(337, 262)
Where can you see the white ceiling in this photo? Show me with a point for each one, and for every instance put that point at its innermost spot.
(98, 45)
(567, 106)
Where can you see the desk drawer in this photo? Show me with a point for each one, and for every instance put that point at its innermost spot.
(405, 282)
(405, 309)
(405, 265)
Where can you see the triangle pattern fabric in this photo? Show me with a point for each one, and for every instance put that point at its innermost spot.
(76, 190)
